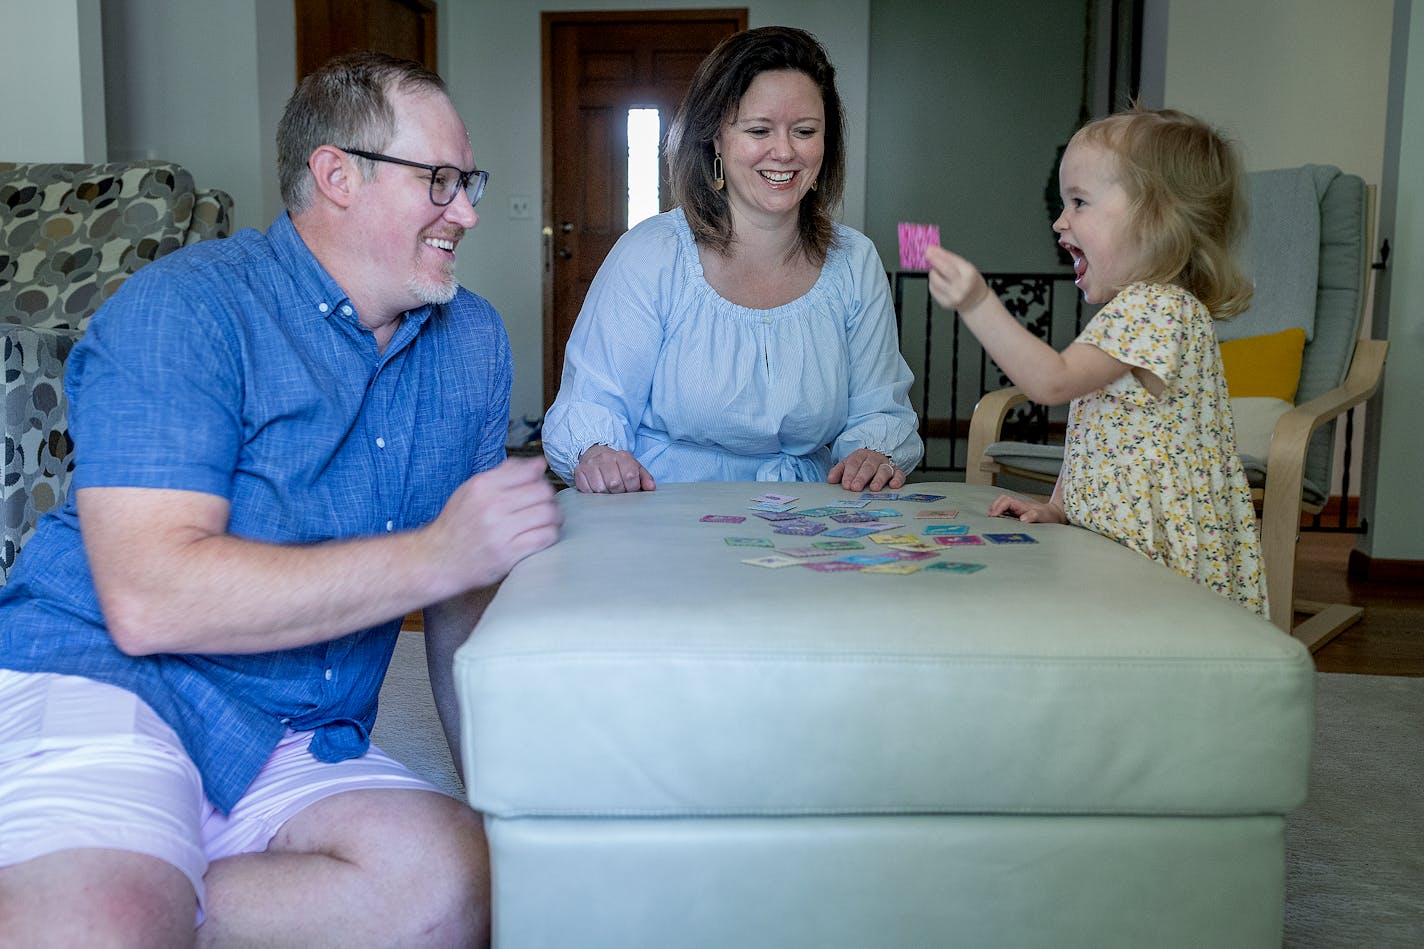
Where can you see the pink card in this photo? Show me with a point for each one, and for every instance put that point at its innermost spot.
(914, 238)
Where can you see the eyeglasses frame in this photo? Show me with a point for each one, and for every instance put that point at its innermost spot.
(465, 177)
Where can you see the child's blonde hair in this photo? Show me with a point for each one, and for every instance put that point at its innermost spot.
(1188, 196)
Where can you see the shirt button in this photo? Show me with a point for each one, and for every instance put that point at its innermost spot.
(323, 307)
(346, 310)
(380, 443)
(328, 675)
(390, 526)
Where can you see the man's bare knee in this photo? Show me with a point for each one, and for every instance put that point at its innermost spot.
(454, 879)
(100, 898)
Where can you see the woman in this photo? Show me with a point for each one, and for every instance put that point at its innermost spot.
(744, 336)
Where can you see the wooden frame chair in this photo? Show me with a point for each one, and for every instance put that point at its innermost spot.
(1339, 371)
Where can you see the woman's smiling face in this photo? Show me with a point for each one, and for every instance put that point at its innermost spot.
(773, 145)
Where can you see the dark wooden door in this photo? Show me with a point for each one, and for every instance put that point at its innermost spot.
(326, 28)
(597, 67)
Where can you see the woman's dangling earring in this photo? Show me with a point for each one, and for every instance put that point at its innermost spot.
(814, 182)
(718, 181)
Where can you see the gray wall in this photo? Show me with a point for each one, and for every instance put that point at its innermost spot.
(951, 83)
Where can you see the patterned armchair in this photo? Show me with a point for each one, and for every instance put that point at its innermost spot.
(70, 234)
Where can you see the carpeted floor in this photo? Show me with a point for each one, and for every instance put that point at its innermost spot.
(1354, 852)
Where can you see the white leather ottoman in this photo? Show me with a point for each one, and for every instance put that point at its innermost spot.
(1071, 747)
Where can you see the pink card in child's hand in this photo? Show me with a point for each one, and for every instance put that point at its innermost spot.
(914, 238)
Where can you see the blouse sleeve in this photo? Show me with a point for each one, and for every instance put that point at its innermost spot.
(612, 351)
(878, 416)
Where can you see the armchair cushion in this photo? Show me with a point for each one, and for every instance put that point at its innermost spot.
(1264, 366)
(39, 459)
(1256, 418)
(1281, 250)
(70, 234)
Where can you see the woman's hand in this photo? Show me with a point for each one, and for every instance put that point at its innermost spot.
(604, 470)
(866, 470)
(1030, 512)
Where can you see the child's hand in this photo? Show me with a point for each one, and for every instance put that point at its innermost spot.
(1030, 512)
(955, 283)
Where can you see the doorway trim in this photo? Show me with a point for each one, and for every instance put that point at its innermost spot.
(548, 21)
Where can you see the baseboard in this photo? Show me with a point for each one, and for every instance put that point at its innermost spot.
(1379, 570)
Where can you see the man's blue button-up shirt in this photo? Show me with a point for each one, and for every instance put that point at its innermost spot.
(239, 368)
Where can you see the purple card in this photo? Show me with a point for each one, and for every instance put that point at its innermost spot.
(830, 566)
(853, 517)
(800, 530)
(721, 519)
(962, 540)
(778, 516)
(922, 498)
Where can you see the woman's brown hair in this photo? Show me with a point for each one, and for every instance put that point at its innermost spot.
(711, 100)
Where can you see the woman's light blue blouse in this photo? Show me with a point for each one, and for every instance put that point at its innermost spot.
(701, 389)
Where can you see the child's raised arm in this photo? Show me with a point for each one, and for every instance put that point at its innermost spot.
(1045, 375)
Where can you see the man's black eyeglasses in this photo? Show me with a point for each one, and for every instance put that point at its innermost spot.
(445, 180)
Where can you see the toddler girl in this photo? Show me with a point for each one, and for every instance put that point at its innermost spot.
(1153, 206)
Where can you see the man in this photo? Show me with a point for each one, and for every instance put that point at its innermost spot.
(285, 442)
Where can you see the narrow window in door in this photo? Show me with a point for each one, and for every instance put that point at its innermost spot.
(644, 133)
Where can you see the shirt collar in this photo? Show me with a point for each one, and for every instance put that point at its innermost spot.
(324, 293)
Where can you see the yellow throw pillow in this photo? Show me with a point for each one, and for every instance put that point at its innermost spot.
(1264, 366)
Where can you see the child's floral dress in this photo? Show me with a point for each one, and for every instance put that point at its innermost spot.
(1160, 474)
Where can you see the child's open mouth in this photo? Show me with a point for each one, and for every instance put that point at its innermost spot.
(1080, 263)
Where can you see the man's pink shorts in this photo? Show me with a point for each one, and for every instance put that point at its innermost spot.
(89, 765)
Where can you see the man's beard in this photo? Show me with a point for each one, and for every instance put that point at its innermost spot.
(433, 291)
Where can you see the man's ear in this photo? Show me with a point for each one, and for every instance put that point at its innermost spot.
(335, 174)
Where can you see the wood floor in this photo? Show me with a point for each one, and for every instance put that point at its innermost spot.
(1389, 640)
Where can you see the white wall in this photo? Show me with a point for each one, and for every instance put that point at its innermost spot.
(1279, 73)
(53, 62)
(950, 85)
(490, 55)
(203, 84)
(1294, 82)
